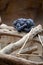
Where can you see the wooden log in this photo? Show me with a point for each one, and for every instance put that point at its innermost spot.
(5, 29)
(9, 59)
(41, 42)
(11, 33)
(19, 43)
(23, 45)
(4, 26)
(25, 50)
(27, 56)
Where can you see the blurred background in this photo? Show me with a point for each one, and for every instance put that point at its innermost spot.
(14, 9)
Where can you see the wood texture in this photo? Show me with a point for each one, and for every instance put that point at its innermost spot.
(9, 59)
(19, 43)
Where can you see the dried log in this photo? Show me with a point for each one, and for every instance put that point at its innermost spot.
(25, 50)
(41, 43)
(19, 43)
(9, 59)
(23, 45)
(40, 39)
(4, 26)
(11, 33)
(8, 30)
(27, 56)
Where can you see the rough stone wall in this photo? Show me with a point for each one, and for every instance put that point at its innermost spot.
(3, 4)
(13, 9)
